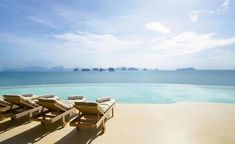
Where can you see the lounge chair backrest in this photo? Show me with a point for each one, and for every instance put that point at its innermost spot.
(4, 103)
(52, 104)
(89, 107)
(20, 101)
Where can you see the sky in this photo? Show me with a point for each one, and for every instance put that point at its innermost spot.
(103, 33)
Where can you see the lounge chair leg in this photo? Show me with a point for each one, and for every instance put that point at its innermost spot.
(13, 119)
(30, 115)
(103, 127)
(63, 122)
(78, 128)
(42, 123)
(1, 118)
(112, 112)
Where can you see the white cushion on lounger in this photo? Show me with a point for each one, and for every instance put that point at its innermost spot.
(27, 95)
(50, 96)
(103, 99)
(87, 103)
(11, 95)
(29, 101)
(75, 97)
(66, 104)
(25, 99)
(24, 95)
(103, 105)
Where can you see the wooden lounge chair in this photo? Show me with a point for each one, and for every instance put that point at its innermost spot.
(56, 109)
(20, 106)
(4, 106)
(93, 114)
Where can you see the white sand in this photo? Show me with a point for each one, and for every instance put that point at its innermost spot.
(181, 123)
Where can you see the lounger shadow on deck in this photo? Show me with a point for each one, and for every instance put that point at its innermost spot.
(83, 136)
(9, 124)
(32, 135)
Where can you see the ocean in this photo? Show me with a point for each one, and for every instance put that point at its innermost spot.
(198, 77)
(147, 87)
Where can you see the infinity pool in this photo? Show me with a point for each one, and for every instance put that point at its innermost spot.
(133, 93)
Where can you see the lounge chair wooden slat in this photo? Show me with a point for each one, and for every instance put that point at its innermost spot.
(61, 116)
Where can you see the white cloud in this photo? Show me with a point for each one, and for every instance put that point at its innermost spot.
(157, 26)
(224, 6)
(194, 15)
(41, 21)
(103, 42)
(190, 42)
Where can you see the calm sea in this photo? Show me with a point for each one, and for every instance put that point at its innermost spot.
(126, 87)
(199, 77)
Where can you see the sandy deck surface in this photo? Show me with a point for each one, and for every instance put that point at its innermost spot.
(181, 123)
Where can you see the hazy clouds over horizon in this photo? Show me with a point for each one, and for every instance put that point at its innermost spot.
(152, 33)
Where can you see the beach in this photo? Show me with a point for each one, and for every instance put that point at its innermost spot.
(177, 123)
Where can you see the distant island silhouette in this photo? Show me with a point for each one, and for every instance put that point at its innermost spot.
(87, 69)
(186, 69)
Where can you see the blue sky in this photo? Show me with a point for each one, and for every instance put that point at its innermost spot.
(151, 33)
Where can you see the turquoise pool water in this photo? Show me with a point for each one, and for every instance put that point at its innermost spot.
(134, 92)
